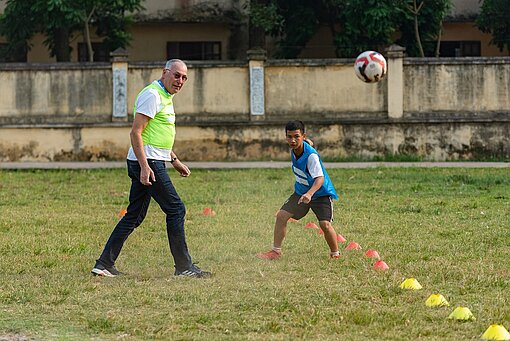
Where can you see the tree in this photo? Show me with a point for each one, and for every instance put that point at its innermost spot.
(291, 22)
(18, 32)
(363, 25)
(111, 21)
(356, 26)
(58, 20)
(263, 19)
(421, 25)
(415, 10)
(494, 19)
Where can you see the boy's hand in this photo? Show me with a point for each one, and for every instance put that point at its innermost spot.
(305, 198)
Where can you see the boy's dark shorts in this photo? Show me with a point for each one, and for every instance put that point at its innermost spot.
(322, 207)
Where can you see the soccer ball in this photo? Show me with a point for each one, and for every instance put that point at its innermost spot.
(370, 66)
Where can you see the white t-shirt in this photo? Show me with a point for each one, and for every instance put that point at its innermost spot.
(314, 166)
(149, 104)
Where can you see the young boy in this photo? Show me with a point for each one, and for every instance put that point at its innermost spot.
(313, 190)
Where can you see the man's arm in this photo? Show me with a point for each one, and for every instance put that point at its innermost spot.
(179, 166)
(139, 124)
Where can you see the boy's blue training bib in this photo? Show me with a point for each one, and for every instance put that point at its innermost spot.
(304, 180)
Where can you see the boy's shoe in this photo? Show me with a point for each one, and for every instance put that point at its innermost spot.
(193, 271)
(106, 271)
(269, 255)
(334, 256)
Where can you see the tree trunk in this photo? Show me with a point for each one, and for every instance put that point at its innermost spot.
(417, 34)
(90, 52)
(61, 49)
(438, 45)
(415, 10)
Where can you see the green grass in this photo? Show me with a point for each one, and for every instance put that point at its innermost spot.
(449, 228)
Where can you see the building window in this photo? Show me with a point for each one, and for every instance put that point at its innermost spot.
(3, 54)
(466, 48)
(101, 53)
(194, 50)
(17, 55)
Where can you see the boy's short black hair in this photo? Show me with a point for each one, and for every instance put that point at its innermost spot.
(295, 125)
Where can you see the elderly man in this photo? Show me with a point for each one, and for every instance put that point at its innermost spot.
(152, 138)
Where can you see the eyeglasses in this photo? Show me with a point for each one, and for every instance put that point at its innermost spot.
(177, 75)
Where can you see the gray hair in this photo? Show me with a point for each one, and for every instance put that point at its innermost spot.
(171, 63)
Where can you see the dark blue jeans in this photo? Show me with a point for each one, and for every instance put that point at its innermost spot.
(163, 191)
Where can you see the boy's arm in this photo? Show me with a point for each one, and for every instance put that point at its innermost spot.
(307, 197)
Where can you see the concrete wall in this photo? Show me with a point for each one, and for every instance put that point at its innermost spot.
(451, 85)
(435, 141)
(325, 89)
(57, 93)
(444, 109)
(214, 92)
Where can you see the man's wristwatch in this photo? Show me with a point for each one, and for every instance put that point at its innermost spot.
(173, 160)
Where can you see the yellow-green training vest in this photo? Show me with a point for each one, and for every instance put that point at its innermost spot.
(160, 131)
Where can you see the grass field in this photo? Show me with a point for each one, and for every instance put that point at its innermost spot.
(449, 228)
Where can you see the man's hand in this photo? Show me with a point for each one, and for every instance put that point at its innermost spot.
(305, 198)
(146, 176)
(181, 168)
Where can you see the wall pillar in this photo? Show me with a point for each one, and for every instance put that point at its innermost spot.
(119, 59)
(256, 59)
(395, 76)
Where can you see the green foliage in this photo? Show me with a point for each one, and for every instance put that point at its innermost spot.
(111, 21)
(355, 25)
(430, 18)
(18, 32)
(366, 25)
(57, 20)
(299, 26)
(292, 22)
(266, 17)
(494, 18)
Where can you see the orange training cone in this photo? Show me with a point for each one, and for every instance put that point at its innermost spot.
(122, 212)
(380, 265)
(320, 232)
(353, 246)
(208, 212)
(340, 238)
(311, 226)
(372, 254)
